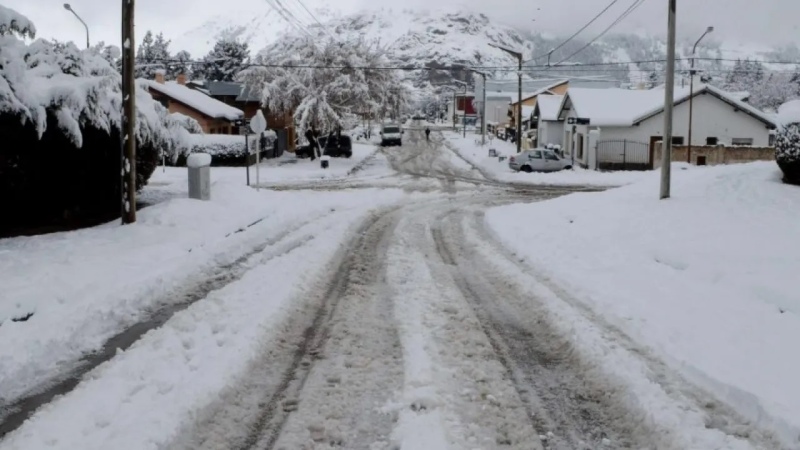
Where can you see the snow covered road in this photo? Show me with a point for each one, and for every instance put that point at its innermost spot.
(397, 324)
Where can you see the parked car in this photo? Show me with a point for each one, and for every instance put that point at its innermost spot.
(538, 160)
(336, 147)
(391, 135)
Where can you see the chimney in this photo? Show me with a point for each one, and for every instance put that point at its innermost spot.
(160, 76)
(182, 79)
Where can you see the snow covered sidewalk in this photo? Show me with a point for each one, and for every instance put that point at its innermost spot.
(493, 168)
(706, 279)
(80, 288)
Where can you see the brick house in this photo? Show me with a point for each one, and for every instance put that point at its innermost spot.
(214, 116)
(239, 96)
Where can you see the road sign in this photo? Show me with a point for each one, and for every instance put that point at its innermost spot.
(258, 123)
(578, 121)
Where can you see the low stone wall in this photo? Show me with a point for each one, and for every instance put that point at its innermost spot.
(716, 155)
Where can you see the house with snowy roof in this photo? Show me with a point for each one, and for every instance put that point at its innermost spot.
(550, 130)
(527, 102)
(623, 126)
(248, 99)
(214, 116)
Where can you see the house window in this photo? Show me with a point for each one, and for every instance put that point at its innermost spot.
(712, 141)
(772, 140)
(677, 140)
(742, 141)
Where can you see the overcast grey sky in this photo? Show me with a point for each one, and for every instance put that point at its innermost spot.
(770, 22)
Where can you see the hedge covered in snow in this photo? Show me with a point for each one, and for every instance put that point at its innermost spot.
(225, 150)
(60, 119)
(787, 141)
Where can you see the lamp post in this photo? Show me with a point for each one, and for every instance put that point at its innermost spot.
(69, 8)
(691, 93)
(518, 113)
(128, 132)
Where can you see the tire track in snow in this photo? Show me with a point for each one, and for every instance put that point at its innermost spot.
(568, 410)
(14, 413)
(291, 386)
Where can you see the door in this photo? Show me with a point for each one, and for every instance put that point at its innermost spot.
(653, 140)
(552, 163)
(536, 161)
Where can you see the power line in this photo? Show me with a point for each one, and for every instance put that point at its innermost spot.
(577, 32)
(636, 4)
(571, 68)
(324, 29)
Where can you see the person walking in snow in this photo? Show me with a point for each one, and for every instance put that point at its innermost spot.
(427, 134)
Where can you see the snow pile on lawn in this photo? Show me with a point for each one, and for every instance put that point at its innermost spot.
(98, 281)
(493, 168)
(147, 394)
(706, 279)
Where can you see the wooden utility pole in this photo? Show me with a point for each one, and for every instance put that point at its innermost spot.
(128, 132)
(669, 100)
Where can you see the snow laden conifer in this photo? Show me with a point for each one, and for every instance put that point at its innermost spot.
(152, 55)
(787, 142)
(228, 57)
(323, 82)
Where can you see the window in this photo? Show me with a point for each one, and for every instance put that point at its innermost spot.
(550, 156)
(536, 154)
(677, 140)
(742, 141)
(772, 140)
(712, 141)
(580, 146)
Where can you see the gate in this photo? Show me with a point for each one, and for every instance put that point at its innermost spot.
(623, 154)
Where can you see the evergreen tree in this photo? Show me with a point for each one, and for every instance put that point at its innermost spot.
(181, 65)
(152, 55)
(228, 58)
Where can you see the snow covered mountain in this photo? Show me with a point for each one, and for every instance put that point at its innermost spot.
(455, 38)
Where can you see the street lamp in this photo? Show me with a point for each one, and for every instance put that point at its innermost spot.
(691, 93)
(517, 55)
(69, 8)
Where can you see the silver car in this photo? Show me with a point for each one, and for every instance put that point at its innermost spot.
(538, 160)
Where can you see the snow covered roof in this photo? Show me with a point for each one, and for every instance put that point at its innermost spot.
(527, 111)
(548, 106)
(539, 92)
(196, 100)
(626, 107)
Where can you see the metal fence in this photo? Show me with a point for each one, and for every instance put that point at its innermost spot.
(623, 154)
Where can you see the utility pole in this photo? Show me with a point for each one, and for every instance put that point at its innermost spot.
(128, 132)
(669, 101)
(691, 94)
(518, 56)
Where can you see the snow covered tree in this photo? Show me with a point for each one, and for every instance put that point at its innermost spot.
(324, 81)
(60, 122)
(152, 55)
(225, 60)
(773, 91)
(787, 142)
(181, 65)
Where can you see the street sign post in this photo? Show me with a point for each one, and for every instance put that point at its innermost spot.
(259, 125)
(578, 121)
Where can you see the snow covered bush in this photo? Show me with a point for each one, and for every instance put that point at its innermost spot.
(322, 82)
(225, 150)
(787, 142)
(60, 118)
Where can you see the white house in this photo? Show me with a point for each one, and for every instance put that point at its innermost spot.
(551, 130)
(625, 124)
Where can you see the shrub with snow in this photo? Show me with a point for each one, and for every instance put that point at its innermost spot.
(787, 141)
(225, 150)
(60, 120)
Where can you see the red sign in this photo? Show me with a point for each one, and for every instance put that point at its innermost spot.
(460, 103)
